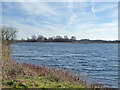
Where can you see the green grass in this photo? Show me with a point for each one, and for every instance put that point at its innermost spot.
(38, 82)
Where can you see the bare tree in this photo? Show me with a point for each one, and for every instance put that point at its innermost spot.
(8, 34)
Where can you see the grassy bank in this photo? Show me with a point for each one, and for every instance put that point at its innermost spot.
(30, 76)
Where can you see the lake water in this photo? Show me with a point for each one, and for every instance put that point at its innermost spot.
(98, 61)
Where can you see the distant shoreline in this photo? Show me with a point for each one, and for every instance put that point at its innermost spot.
(76, 42)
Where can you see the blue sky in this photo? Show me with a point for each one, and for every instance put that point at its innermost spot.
(85, 20)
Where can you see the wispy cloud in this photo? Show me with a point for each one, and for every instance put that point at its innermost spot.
(70, 6)
(72, 19)
(106, 31)
(73, 16)
(93, 8)
(38, 8)
(105, 7)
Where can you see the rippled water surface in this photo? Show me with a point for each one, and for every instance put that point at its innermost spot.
(99, 61)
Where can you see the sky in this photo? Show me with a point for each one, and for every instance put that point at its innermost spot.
(84, 20)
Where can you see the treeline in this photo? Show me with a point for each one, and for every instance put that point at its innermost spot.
(41, 38)
(8, 36)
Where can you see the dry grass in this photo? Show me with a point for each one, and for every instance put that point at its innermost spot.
(12, 70)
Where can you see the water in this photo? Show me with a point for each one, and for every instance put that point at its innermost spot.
(98, 61)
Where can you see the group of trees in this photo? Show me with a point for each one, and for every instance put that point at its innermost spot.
(41, 38)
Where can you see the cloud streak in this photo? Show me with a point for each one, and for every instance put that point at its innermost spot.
(93, 9)
(38, 8)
